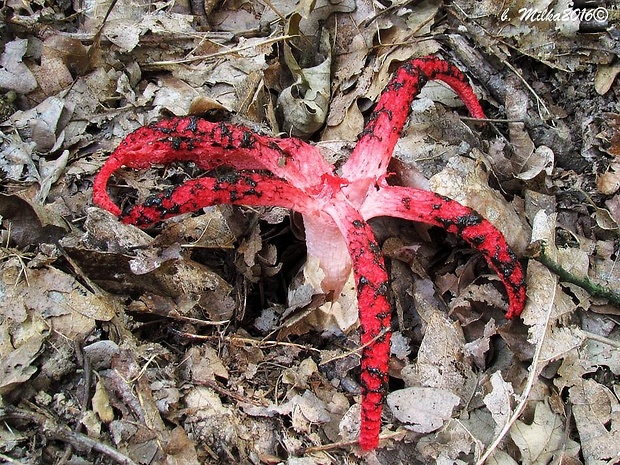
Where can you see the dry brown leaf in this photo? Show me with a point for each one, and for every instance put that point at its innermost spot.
(50, 173)
(478, 348)
(111, 247)
(180, 449)
(59, 298)
(124, 33)
(517, 110)
(441, 362)
(92, 423)
(422, 409)
(16, 158)
(210, 230)
(610, 135)
(204, 403)
(101, 403)
(613, 206)
(480, 293)
(400, 345)
(250, 247)
(542, 159)
(43, 124)
(609, 182)
(501, 458)
(304, 103)
(530, 28)
(556, 340)
(30, 222)
(22, 338)
(499, 400)
(174, 96)
(595, 409)
(352, 79)
(100, 354)
(298, 377)
(450, 444)
(544, 439)
(105, 232)
(320, 11)
(60, 55)
(597, 354)
(306, 410)
(204, 365)
(14, 74)
(605, 77)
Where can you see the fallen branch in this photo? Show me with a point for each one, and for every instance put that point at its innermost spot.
(537, 251)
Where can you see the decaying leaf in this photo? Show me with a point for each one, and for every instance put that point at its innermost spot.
(23, 341)
(306, 410)
(30, 222)
(44, 124)
(16, 158)
(211, 230)
(596, 409)
(605, 77)
(450, 444)
(299, 376)
(68, 307)
(544, 439)
(14, 74)
(422, 409)
(304, 104)
(204, 365)
(609, 182)
(101, 403)
(500, 400)
(441, 362)
(532, 27)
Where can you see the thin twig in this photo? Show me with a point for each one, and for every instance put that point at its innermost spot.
(220, 54)
(85, 400)
(262, 343)
(53, 430)
(8, 459)
(601, 339)
(490, 120)
(233, 395)
(357, 351)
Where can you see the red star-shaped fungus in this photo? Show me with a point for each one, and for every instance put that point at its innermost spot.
(291, 173)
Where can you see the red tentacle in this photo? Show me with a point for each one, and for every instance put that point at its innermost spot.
(431, 208)
(374, 149)
(238, 188)
(210, 145)
(372, 284)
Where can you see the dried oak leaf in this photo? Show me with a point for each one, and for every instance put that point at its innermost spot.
(544, 439)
